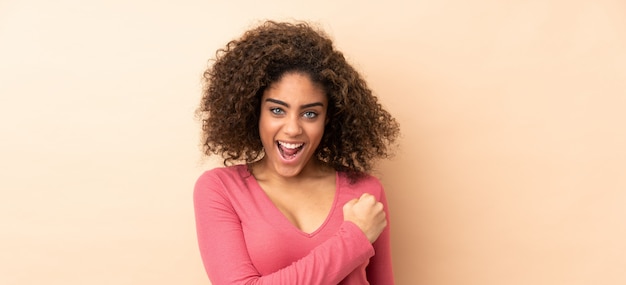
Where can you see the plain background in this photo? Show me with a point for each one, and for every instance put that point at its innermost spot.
(511, 169)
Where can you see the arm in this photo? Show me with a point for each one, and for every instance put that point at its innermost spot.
(226, 260)
(379, 270)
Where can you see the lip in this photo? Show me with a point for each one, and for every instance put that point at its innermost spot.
(290, 143)
(296, 159)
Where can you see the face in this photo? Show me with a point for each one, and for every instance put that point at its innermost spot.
(291, 124)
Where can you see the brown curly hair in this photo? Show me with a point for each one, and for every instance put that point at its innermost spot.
(359, 129)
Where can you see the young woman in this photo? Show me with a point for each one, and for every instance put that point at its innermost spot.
(298, 129)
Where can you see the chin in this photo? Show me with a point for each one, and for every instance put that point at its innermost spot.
(288, 171)
(291, 170)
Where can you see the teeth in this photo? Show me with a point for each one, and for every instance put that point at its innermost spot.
(290, 145)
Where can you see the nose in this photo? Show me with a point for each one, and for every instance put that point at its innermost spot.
(292, 126)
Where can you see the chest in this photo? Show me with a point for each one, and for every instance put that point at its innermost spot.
(305, 210)
(279, 232)
(305, 205)
(273, 242)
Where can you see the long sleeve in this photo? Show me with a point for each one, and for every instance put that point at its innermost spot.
(379, 270)
(225, 255)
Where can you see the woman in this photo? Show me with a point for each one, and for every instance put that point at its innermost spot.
(298, 129)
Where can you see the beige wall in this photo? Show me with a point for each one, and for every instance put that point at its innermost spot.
(511, 169)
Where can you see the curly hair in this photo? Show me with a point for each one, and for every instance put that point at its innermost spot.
(359, 130)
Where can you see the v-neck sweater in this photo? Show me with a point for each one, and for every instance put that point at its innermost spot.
(245, 239)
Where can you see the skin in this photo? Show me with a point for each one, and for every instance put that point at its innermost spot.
(293, 116)
(293, 110)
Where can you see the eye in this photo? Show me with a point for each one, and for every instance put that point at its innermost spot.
(309, 114)
(277, 111)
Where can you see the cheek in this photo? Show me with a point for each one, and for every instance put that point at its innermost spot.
(268, 128)
(317, 131)
(264, 127)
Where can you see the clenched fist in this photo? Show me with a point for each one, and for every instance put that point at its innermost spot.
(367, 214)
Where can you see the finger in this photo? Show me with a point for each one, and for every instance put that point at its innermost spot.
(368, 198)
(379, 206)
(351, 202)
(365, 195)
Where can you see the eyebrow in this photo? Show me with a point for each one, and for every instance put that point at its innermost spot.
(287, 105)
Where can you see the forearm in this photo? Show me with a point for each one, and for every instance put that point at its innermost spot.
(328, 263)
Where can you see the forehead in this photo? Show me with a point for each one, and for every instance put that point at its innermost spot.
(296, 87)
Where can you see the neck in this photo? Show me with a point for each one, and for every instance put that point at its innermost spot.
(314, 170)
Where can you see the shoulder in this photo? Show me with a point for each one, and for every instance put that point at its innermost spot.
(225, 172)
(364, 184)
(221, 178)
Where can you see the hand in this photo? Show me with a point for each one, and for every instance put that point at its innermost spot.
(367, 214)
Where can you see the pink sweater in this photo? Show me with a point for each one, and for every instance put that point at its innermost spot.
(245, 239)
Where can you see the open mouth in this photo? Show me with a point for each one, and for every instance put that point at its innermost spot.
(289, 151)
